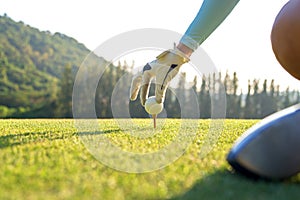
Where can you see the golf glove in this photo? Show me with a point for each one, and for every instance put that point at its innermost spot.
(163, 69)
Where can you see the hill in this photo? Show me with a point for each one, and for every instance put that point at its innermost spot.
(31, 64)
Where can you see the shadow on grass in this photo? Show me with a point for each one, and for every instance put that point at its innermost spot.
(223, 184)
(112, 131)
(109, 131)
(26, 138)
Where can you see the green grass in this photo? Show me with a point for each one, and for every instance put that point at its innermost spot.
(46, 159)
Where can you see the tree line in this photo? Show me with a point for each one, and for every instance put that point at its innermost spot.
(257, 103)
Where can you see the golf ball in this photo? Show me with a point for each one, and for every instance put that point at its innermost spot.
(152, 107)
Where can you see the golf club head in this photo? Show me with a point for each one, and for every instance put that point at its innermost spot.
(271, 148)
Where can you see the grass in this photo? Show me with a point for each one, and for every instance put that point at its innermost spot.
(47, 159)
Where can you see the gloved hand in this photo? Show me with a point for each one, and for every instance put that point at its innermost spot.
(164, 69)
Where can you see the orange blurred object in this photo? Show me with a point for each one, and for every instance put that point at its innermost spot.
(285, 37)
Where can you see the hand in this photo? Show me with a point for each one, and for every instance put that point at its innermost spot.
(164, 69)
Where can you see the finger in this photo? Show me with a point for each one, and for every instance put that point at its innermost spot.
(163, 79)
(135, 86)
(160, 91)
(161, 85)
(146, 80)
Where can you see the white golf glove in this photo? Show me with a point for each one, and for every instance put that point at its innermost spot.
(164, 69)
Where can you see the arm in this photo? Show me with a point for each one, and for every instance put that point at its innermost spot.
(211, 14)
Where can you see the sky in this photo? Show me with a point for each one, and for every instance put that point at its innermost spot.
(240, 44)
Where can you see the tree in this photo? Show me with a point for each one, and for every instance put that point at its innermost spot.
(233, 101)
(204, 99)
(287, 102)
(265, 101)
(272, 97)
(64, 108)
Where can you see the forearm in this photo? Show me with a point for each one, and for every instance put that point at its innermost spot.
(210, 16)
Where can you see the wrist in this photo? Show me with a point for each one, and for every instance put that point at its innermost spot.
(185, 50)
(183, 57)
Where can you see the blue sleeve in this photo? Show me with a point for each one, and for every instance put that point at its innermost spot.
(210, 16)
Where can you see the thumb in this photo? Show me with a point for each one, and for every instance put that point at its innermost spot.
(135, 86)
(146, 81)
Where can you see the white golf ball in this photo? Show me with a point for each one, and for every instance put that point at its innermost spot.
(152, 107)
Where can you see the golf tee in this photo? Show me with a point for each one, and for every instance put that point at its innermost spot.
(154, 120)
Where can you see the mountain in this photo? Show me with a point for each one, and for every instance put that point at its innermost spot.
(32, 63)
